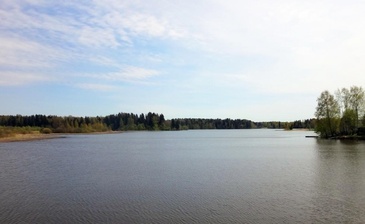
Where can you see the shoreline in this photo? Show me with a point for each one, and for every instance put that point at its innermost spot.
(29, 137)
(91, 133)
(40, 136)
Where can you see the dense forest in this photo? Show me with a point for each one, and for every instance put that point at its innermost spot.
(341, 114)
(130, 121)
(70, 124)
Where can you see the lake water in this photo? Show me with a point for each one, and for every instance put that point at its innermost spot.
(215, 176)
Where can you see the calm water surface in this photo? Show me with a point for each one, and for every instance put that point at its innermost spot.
(240, 176)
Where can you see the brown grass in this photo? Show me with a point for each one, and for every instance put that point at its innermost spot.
(28, 137)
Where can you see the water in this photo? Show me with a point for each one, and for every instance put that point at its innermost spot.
(238, 176)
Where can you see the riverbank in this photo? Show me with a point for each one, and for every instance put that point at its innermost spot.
(29, 137)
(341, 137)
(41, 136)
(349, 137)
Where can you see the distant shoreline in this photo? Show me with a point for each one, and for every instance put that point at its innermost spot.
(298, 129)
(29, 137)
(40, 136)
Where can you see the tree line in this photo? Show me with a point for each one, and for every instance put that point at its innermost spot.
(71, 124)
(341, 113)
(130, 121)
(194, 123)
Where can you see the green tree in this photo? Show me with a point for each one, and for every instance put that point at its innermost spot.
(343, 98)
(130, 124)
(357, 97)
(327, 113)
(348, 122)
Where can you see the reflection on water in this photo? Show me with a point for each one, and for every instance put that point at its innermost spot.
(339, 183)
(240, 176)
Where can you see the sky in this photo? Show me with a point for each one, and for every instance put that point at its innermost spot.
(260, 60)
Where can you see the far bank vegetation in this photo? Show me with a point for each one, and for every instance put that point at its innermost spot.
(18, 124)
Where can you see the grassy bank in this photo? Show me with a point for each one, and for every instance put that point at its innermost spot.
(28, 137)
(6, 132)
(14, 134)
(11, 134)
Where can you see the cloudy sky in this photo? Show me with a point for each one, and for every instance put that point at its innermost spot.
(261, 60)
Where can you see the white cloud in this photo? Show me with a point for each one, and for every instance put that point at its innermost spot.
(303, 46)
(104, 23)
(129, 73)
(22, 53)
(96, 87)
(97, 37)
(8, 78)
(105, 61)
(145, 24)
(110, 80)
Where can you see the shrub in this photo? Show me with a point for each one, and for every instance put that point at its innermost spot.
(46, 131)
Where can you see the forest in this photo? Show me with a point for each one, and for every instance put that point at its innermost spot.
(133, 122)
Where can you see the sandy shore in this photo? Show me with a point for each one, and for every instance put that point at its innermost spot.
(29, 137)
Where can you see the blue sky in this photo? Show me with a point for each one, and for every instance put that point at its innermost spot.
(260, 60)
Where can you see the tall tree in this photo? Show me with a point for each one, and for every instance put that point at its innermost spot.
(357, 97)
(343, 98)
(348, 122)
(327, 113)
